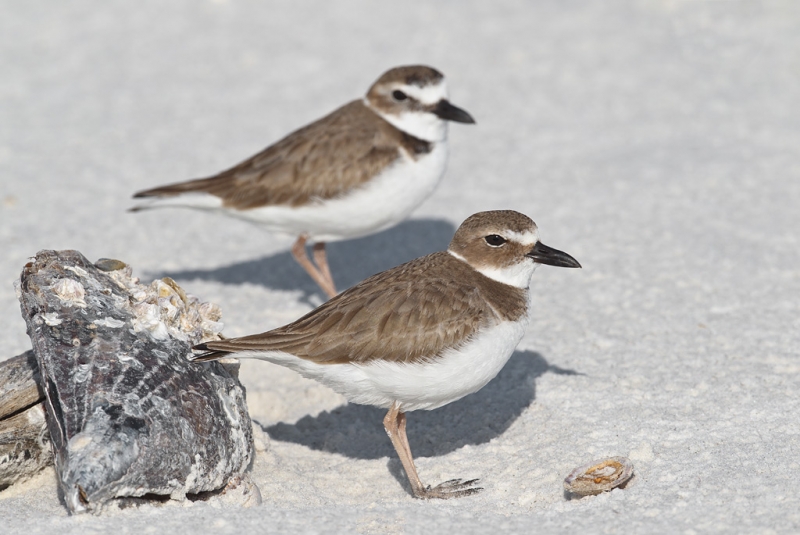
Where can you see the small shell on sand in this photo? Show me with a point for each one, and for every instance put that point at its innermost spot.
(599, 476)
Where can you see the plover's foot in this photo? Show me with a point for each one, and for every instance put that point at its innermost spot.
(455, 488)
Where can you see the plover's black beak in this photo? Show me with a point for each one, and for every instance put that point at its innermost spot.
(552, 257)
(448, 112)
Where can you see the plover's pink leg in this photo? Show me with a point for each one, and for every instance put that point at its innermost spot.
(395, 424)
(299, 253)
(321, 260)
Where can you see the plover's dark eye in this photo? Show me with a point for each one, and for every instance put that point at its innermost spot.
(494, 240)
(399, 95)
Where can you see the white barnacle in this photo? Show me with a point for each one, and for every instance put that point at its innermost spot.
(112, 323)
(210, 311)
(51, 319)
(169, 311)
(138, 294)
(210, 315)
(148, 318)
(120, 273)
(211, 330)
(79, 271)
(164, 309)
(70, 292)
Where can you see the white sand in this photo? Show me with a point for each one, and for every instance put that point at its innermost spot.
(657, 141)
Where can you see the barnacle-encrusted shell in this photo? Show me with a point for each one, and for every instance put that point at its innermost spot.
(599, 476)
(128, 414)
(164, 310)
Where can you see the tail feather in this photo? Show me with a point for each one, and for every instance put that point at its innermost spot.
(209, 355)
(197, 193)
(169, 197)
(199, 185)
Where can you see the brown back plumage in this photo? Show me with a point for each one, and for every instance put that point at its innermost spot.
(406, 314)
(323, 160)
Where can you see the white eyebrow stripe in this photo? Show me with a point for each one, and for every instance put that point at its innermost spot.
(430, 94)
(525, 238)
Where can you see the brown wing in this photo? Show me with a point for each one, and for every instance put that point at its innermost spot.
(411, 312)
(320, 161)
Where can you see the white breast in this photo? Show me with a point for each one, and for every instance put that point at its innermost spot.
(377, 205)
(452, 376)
(420, 385)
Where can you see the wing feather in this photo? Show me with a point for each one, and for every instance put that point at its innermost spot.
(410, 313)
(323, 160)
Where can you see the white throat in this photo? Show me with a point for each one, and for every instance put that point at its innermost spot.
(517, 275)
(422, 125)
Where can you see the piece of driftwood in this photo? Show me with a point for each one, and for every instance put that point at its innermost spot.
(127, 413)
(19, 384)
(24, 441)
(24, 445)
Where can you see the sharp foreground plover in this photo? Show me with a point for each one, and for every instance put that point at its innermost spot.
(357, 171)
(419, 335)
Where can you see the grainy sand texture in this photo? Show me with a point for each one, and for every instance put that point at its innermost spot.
(657, 141)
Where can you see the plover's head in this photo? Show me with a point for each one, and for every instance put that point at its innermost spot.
(504, 245)
(414, 100)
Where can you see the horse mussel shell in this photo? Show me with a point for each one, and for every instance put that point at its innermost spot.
(128, 415)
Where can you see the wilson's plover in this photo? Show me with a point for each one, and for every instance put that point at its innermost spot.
(357, 171)
(420, 335)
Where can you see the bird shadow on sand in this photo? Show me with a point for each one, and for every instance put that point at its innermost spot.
(350, 261)
(356, 431)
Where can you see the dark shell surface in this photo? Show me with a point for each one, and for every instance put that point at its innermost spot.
(127, 413)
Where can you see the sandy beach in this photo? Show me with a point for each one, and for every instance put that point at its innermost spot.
(658, 142)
